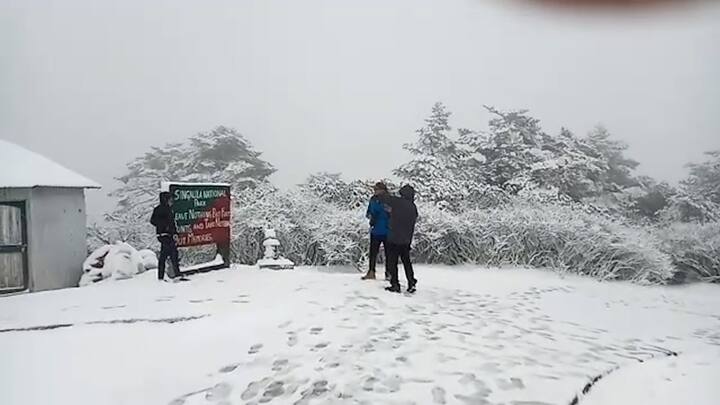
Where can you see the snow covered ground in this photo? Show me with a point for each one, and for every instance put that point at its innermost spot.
(308, 336)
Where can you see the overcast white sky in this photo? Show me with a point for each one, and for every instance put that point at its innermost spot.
(340, 85)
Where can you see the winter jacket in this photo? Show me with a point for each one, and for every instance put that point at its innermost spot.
(163, 217)
(378, 217)
(403, 215)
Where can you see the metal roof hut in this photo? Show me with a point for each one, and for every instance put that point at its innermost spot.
(42, 221)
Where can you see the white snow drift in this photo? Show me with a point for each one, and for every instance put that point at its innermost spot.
(118, 261)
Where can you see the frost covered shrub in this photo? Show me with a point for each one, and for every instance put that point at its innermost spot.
(314, 232)
(694, 250)
(547, 236)
(522, 232)
(311, 231)
(339, 237)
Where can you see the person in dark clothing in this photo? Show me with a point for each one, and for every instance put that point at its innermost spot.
(378, 217)
(403, 215)
(163, 218)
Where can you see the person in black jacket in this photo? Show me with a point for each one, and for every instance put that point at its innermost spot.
(403, 215)
(163, 218)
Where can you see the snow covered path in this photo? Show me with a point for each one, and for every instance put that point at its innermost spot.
(469, 336)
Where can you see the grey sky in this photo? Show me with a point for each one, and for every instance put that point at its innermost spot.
(340, 85)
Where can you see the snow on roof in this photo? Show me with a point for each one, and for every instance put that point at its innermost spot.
(22, 168)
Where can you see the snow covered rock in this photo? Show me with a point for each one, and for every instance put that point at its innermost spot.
(149, 259)
(118, 261)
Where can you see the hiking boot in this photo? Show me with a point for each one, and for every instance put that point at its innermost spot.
(411, 287)
(369, 276)
(395, 289)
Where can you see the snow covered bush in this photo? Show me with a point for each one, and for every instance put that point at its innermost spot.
(117, 261)
(521, 233)
(694, 250)
(546, 236)
(311, 231)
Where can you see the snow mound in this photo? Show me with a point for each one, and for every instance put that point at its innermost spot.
(149, 259)
(118, 261)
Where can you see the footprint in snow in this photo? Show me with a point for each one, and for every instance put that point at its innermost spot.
(219, 392)
(114, 307)
(320, 346)
(200, 301)
(292, 339)
(279, 364)
(254, 388)
(229, 368)
(513, 384)
(438, 394)
(274, 390)
(254, 349)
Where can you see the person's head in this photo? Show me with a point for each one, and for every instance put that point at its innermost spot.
(166, 198)
(407, 192)
(380, 188)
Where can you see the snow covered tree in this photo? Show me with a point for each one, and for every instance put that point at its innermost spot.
(504, 156)
(704, 178)
(330, 187)
(698, 197)
(570, 167)
(650, 198)
(618, 174)
(436, 166)
(516, 155)
(222, 155)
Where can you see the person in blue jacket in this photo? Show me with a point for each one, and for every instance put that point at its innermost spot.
(379, 219)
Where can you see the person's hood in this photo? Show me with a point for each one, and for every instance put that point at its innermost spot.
(407, 192)
(164, 198)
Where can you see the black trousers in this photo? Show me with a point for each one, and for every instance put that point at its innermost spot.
(402, 252)
(168, 249)
(375, 242)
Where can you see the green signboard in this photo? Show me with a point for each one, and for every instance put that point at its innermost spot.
(202, 215)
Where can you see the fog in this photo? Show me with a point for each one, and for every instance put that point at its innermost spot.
(339, 86)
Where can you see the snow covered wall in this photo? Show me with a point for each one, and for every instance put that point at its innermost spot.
(56, 223)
